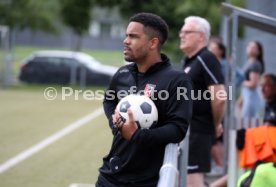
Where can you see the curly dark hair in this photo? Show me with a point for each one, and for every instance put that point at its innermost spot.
(155, 26)
(272, 77)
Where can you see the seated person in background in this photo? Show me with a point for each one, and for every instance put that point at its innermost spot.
(268, 86)
(263, 174)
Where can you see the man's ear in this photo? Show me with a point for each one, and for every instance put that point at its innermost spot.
(154, 43)
(202, 36)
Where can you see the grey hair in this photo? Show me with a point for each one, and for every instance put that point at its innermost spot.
(203, 25)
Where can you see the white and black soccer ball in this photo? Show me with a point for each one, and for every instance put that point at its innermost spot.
(143, 108)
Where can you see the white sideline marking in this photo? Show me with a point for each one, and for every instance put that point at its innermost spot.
(51, 139)
(81, 185)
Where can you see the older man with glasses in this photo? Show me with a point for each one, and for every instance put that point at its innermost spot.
(208, 109)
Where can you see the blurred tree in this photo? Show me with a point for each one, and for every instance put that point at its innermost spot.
(34, 14)
(76, 14)
(174, 12)
(107, 3)
(20, 14)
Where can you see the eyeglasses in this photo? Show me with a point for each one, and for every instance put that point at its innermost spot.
(188, 32)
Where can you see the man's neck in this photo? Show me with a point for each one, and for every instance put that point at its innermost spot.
(193, 52)
(147, 63)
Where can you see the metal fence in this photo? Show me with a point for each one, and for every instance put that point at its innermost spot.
(5, 57)
(173, 172)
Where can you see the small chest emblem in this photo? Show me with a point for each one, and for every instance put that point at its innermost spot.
(149, 90)
(187, 69)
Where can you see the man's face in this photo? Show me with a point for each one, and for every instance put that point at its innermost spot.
(190, 37)
(268, 90)
(136, 43)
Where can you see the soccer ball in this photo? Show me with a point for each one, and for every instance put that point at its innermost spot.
(143, 108)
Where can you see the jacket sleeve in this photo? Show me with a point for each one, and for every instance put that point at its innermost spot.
(178, 111)
(110, 101)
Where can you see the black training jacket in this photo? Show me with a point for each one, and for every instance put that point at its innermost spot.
(142, 156)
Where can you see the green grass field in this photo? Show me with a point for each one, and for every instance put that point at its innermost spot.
(27, 118)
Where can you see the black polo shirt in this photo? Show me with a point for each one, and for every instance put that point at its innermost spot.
(252, 67)
(204, 70)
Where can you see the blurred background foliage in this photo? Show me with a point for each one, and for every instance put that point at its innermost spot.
(34, 14)
(75, 14)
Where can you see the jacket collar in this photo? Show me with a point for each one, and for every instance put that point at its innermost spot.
(157, 66)
(193, 57)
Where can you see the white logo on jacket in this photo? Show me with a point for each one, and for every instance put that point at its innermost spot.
(187, 69)
(123, 71)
